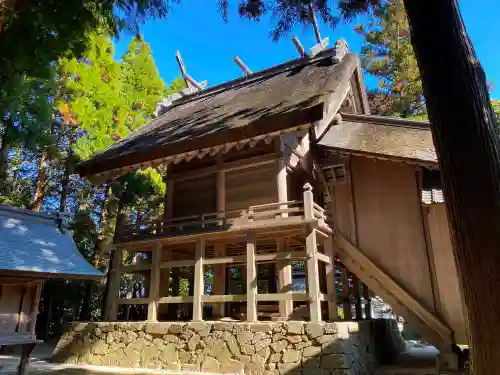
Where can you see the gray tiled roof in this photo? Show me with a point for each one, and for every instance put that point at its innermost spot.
(32, 242)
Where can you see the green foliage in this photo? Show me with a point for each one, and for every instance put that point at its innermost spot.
(34, 34)
(85, 105)
(388, 55)
(496, 109)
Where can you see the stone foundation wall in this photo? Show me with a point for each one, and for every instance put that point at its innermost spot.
(224, 347)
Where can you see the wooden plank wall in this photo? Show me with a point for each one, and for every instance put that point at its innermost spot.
(16, 301)
(451, 304)
(251, 186)
(389, 223)
(194, 196)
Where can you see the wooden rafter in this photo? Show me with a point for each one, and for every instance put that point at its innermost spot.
(200, 153)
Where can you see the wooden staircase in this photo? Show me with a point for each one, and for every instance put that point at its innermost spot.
(419, 317)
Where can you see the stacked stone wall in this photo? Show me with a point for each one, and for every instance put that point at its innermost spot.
(224, 347)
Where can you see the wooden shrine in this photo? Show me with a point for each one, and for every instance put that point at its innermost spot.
(280, 170)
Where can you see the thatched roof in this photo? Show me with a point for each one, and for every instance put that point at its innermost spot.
(32, 244)
(387, 137)
(284, 96)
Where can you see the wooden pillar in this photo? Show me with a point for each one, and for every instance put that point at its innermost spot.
(164, 290)
(368, 303)
(166, 272)
(169, 201)
(271, 278)
(38, 285)
(346, 298)
(114, 285)
(281, 182)
(331, 290)
(284, 268)
(312, 260)
(357, 297)
(154, 283)
(251, 278)
(313, 277)
(171, 307)
(219, 287)
(198, 291)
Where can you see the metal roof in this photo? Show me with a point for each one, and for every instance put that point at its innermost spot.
(32, 244)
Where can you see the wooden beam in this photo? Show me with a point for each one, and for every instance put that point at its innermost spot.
(314, 23)
(323, 257)
(199, 286)
(134, 301)
(331, 289)
(176, 299)
(225, 298)
(226, 167)
(178, 263)
(292, 296)
(241, 64)
(251, 278)
(154, 284)
(135, 268)
(440, 335)
(298, 46)
(313, 277)
(285, 255)
(424, 214)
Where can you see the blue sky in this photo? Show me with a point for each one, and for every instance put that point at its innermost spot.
(207, 44)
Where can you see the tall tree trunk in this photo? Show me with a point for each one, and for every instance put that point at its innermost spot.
(90, 285)
(119, 219)
(67, 173)
(4, 156)
(41, 182)
(466, 137)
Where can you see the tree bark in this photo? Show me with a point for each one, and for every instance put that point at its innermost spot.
(41, 183)
(466, 138)
(67, 173)
(86, 311)
(4, 156)
(120, 217)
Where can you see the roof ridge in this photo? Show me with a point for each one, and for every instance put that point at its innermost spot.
(28, 213)
(241, 81)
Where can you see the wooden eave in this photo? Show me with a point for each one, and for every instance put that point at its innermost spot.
(33, 275)
(199, 147)
(345, 152)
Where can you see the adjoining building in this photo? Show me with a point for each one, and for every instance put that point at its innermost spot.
(34, 247)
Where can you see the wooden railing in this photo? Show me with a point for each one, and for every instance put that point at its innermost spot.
(306, 209)
(212, 221)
